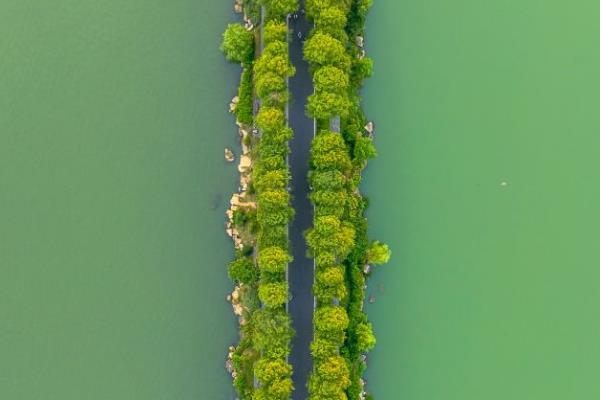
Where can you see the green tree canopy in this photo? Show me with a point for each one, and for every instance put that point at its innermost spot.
(275, 31)
(269, 370)
(323, 49)
(330, 318)
(273, 294)
(273, 259)
(330, 284)
(332, 21)
(364, 149)
(331, 79)
(378, 253)
(273, 332)
(365, 339)
(276, 179)
(279, 8)
(242, 270)
(238, 43)
(327, 180)
(270, 119)
(328, 152)
(323, 348)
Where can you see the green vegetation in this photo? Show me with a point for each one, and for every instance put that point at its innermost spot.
(259, 364)
(338, 239)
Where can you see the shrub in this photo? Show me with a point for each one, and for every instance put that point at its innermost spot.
(243, 270)
(273, 259)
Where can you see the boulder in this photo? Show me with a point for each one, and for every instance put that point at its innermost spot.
(229, 156)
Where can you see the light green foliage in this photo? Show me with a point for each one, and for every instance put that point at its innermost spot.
(316, 7)
(322, 348)
(330, 284)
(267, 371)
(328, 151)
(273, 294)
(322, 49)
(329, 202)
(363, 149)
(273, 259)
(326, 105)
(362, 68)
(238, 43)
(330, 378)
(365, 339)
(330, 235)
(330, 318)
(243, 270)
(275, 31)
(331, 79)
(270, 119)
(378, 253)
(270, 82)
(273, 207)
(332, 20)
(279, 8)
(277, 179)
(273, 332)
(327, 180)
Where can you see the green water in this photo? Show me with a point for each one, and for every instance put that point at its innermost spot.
(112, 259)
(113, 187)
(493, 290)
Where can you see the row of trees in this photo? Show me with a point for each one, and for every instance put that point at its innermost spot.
(273, 331)
(338, 240)
(259, 360)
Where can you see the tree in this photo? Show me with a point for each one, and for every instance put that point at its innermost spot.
(277, 179)
(364, 149)
(365, 339)
(270, 82)
(238, 43)
(327, 180)
(331, 235)
(279, 8)
(330, 318)
(326, 105)
(330, 284)
(270, 119)
(269, 370)
(272, 332)
(243, 270)
(331, 79)
(275, 31)
(378, 253)
(273, 259)
(323, 348)
(363, 68)
(329, 202)
(328, 151)
(332, 20)
(273, 207)
(323, 49)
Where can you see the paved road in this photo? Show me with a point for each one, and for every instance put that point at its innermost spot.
(301, 269)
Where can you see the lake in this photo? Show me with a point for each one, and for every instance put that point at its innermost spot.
(487, 127)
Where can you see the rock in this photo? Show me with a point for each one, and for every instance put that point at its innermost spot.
(245, 164)
(367, 269)
(229, 156)
(229, 232)
(372, 299)
(229, 366)
(370, 127)
(360, 41)
(238, 309)
(233, 104)
(238, 8)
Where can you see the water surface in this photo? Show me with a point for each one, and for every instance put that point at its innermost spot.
(493, 290)
(112, 192)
